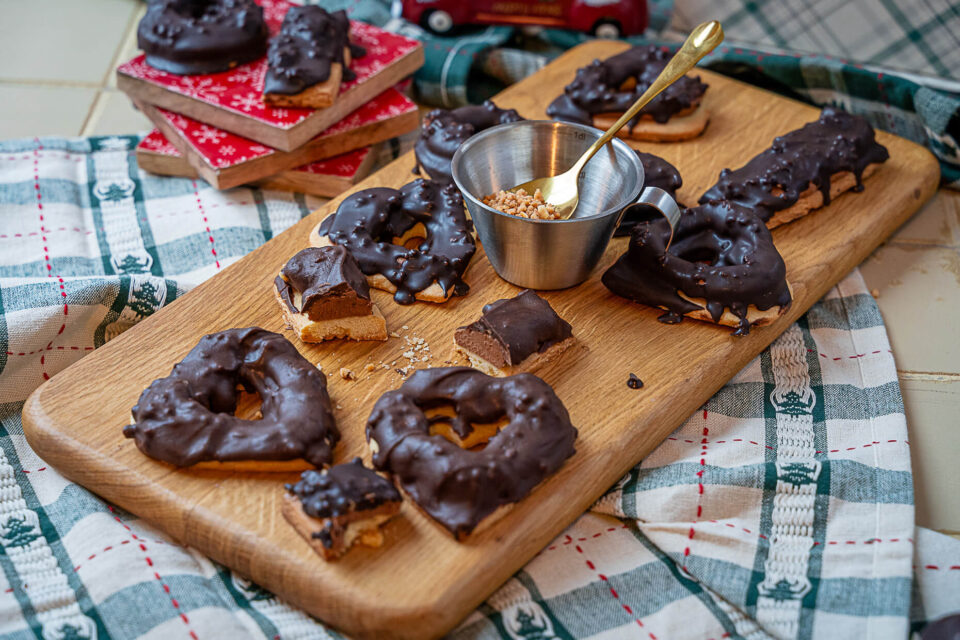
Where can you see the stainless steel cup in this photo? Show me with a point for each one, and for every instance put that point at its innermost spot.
(550, 254)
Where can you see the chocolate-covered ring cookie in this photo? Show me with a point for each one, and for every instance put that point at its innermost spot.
(374, 224)
(187, 417)
(721, 267)
(444, 131)
(458, 487)
(201, 36)
(611, 86)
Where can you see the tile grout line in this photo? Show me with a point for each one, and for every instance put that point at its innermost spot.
(104, 90)
(928, 376)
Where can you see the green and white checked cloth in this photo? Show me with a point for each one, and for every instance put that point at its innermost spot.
(781, 509)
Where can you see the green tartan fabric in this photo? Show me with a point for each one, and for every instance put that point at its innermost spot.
(782, 509)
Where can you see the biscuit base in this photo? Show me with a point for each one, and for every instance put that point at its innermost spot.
(433, 293)
(756, 317)
(359, 527)
(318, 96)
(812, 198)
(368, 327)
(683, 126)
(531, 363)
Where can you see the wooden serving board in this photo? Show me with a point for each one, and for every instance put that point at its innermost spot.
(232, 99)
(226, 160)
(422, 582)
(325, 178)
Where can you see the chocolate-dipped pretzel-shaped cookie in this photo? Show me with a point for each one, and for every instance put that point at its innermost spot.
(374, 224)
(444, 131)
(722, 267)
(659, 173)
(188, 417)
(604, 89)
(804, 169)
(457, 487)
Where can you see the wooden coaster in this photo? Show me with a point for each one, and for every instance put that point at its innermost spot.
(226, 160)
(233, 99)
(326, 178)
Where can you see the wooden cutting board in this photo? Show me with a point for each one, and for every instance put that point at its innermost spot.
(422, 582)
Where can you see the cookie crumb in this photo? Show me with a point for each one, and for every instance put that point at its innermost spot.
(394, 334)
(370, 366)
(347, 374)
(875, 293)
(634, 382)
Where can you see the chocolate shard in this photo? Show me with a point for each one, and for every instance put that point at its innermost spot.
(513, 329)
(811, 155)
(311, 39)
(597, 88)
(342, 490)
(329, 283)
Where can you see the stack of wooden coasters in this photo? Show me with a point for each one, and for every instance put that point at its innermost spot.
(218, 127)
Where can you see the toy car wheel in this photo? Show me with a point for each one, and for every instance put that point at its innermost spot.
(438, 21)
(607, 29)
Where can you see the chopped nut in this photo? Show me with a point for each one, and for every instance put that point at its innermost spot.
(522, 204)
(347, 374)
(370, 366)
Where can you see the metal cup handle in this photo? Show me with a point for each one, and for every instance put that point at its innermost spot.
(664, 203)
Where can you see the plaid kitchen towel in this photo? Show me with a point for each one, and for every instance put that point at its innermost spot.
(894, 61)
(781, 509)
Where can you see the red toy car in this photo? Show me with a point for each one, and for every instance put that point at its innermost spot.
(602, 18)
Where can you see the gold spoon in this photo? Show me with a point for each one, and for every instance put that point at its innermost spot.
(561, 191)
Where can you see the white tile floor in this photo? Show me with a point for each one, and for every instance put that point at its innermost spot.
(58, 80)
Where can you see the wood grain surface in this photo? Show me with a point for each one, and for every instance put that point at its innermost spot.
(422, 582)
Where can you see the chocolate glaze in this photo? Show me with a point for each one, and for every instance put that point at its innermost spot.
(367, 222)
(657, 172)
(458, 487)
(946, 628)
(519, 326)
(721, 252)
(837, 141)
(444, 131)
(342, 489)
(329, 281)
(634, 382)
(187, 417)
(597, 88)
(201, 36)
(310, 40)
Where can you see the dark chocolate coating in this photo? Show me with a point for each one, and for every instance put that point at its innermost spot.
(310, 40)
(187, 417)
(458, 487)
(342, 489)
(323, 275)
(367, 222)
(444, 131)
(657, 172)
(597, 88)
(837, 141)
(523, 325)
(946, 628)
(634, 382)
(721, 252)
(201, 36)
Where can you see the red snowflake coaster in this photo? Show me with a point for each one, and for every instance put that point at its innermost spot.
(226, 160)
(232, 100)
(326, 178)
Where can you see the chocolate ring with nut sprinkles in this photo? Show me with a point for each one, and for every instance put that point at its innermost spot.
(427, 435)
(188, 418)
(415, 242)
(721, 267)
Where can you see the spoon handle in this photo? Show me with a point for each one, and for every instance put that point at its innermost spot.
(699, 43)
